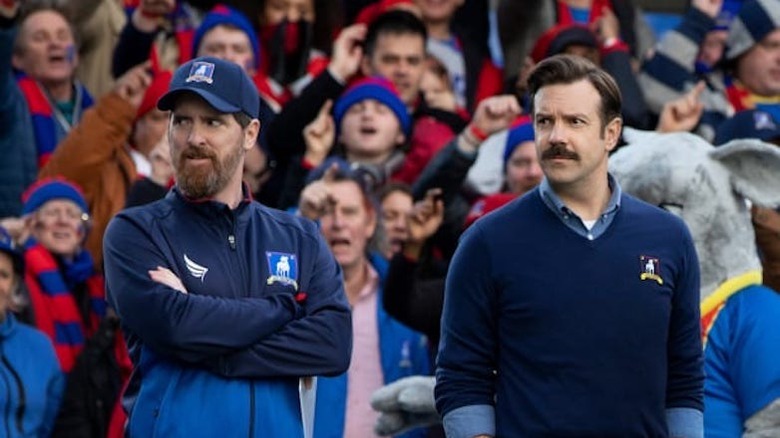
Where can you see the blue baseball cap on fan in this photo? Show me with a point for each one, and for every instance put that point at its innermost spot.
(753, 123)
(223, 84)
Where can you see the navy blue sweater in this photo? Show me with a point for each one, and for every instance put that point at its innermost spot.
(582, 344)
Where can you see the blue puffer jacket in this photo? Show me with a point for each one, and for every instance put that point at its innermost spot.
(31, 384)
(403, 353)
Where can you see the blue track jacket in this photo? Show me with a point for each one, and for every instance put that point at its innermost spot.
(403, 353)
(224, 359)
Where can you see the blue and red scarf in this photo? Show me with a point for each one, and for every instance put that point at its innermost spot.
(742, 99)
(45, 116)
(54, 306)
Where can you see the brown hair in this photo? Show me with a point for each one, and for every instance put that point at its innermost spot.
(31, 7)
(567, 69)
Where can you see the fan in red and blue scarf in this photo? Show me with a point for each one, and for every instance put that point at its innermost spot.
(66, 293)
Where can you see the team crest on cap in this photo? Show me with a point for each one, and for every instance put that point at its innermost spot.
(650, 269)
(763, 120)
(201, 72)
(283, 268)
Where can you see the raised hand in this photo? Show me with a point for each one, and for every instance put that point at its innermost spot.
(493, 114)
(423, 221)
(709, 7)
(607, 27)
(319, 136)
(347, 52)
(316, 199)
(426, 216)
(684, 113)
(9, 8)
(132, 85)
(150, 14)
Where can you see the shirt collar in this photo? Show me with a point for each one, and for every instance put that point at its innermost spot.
(555, 203)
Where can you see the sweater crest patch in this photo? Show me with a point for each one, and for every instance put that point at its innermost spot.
(650, 269)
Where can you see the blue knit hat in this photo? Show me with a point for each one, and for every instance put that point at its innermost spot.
(377, 88)
(728, 12)
(49, 189)
(755, 20)
(225, 15)
(522, 131)
(8, 246)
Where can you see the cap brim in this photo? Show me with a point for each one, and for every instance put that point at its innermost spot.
(168, 100)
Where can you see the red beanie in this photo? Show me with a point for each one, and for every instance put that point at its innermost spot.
(556, 39)
(160, 82)
(486, 205)
(369, 13)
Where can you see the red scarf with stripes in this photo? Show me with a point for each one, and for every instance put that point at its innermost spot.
(54, 306)
(43, 115)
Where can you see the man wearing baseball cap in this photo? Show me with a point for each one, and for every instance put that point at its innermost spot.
(218, 294)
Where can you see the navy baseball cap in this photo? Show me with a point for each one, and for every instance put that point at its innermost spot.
(748, 124)
(223, 84)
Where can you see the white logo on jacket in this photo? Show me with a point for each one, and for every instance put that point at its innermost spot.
(195, 269)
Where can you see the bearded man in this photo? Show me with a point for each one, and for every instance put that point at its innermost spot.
(206, 305)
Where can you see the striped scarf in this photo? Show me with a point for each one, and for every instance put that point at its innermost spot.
(54, 306)
(742, 99)
(45, 117)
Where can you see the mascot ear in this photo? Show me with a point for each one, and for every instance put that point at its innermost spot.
(633, 135)
(753, 167)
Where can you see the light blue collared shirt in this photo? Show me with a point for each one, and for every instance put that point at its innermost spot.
(574, 222)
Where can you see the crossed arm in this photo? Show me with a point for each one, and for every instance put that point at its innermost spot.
(235, 337)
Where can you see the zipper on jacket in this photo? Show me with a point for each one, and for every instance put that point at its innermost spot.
(22, 396)
(251, 409)
(232, 235)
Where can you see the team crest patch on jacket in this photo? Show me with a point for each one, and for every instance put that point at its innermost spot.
(650, 269)
(283, 268)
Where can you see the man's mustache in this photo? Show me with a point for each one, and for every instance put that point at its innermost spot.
(559, 151)
(193, 153)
